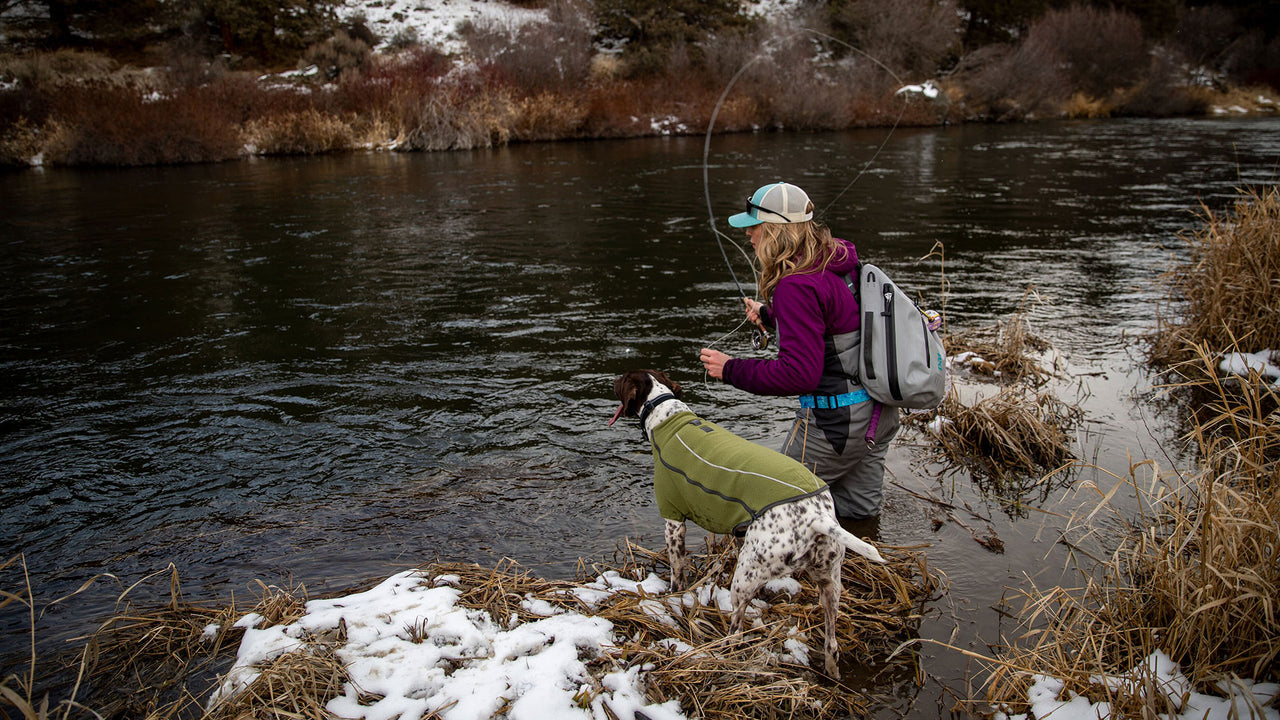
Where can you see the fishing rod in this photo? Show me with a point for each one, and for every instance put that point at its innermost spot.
(760, 336)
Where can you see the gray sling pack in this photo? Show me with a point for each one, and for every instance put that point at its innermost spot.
(902, 362)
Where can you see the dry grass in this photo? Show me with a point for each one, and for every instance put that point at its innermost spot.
(302, 133)
(1197, 577)
(1021, 430)
(1016, 432)
(19, 143)
(1196, 574)
(725, 676)
(293, 686)
(1227, 293)
(1083, 107)
(1007, 351)
(548, 116)
(455, 117)
(159, 663)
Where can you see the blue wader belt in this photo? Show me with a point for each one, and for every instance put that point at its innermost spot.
(832, 402)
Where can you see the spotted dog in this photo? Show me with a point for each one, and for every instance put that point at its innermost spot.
(729, 485)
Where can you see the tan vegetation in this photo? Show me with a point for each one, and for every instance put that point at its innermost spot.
(156, 662)
(1226, 294)
(1020, 431)
(834, 68)
(1197, 573)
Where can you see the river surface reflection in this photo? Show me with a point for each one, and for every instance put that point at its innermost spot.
(325, 370)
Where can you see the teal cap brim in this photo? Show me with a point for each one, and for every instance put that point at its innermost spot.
(744, 220)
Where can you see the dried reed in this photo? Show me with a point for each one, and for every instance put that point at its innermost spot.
(158, 663)
(1016, 432)
(301, 133)
(1226, 294)
(293, 686)
(1197, 574)
(1007, 350)
(1198, 578)
(717, 675)
(1021, 430)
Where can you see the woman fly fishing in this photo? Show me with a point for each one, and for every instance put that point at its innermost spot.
(839, 432)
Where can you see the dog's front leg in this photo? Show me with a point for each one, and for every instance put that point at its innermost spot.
(675, 553)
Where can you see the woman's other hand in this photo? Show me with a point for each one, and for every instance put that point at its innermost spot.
(753, 309)
(713, 361)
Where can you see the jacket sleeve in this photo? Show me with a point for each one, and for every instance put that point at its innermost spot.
(798, 366)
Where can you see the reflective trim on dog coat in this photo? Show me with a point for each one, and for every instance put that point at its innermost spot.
(704, 473)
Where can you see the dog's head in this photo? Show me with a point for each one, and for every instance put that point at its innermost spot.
(633, 389)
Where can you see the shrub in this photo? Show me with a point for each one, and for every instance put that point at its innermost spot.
(404, 38)
(340, 55)
(302, 133)
(269, 32)
(50, 69)
(1003, 82)
(1204, 35)
(458, 115)
(647, 32)
(1103, 50)
(1094, 52)
(1164, 92)
(112, 126)
(913, 37)
(537, 56)
(19, 143)
(187, 66)
(548, 117)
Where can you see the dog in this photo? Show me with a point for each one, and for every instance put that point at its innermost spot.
(729, 485)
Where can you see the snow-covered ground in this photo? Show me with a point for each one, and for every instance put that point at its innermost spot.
(411, 650)
(435, 22)
(411, 645)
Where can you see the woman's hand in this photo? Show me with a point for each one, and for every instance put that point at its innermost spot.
(713, 361)
(753, 309)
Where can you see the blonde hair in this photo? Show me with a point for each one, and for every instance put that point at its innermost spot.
(793, 249)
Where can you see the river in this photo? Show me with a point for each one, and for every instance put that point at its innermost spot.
(324, 370)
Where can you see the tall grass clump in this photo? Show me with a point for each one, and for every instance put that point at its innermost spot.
(1226, 293)
(1196, 572)
(1196, 576)
(1020, 431)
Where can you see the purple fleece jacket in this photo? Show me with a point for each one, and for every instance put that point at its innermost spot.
(805, 310)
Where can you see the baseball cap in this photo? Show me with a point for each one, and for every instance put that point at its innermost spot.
(775, 203)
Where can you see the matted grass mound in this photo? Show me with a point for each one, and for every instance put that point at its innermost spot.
(499, 642)
(1020, 430)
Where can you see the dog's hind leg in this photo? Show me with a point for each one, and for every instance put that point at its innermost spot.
(825, 573)
(674, 533)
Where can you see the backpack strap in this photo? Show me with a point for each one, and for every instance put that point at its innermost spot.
(852, 281)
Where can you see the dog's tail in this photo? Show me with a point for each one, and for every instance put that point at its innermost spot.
(830, 526)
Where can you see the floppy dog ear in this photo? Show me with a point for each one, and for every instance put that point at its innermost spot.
(675, 386)
(631, 389)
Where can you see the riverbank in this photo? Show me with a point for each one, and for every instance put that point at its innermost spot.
(413, 103)
(79, 109)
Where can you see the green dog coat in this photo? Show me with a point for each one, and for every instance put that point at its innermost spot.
(704, 473)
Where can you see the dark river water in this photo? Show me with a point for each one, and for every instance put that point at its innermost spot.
(326, 370)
